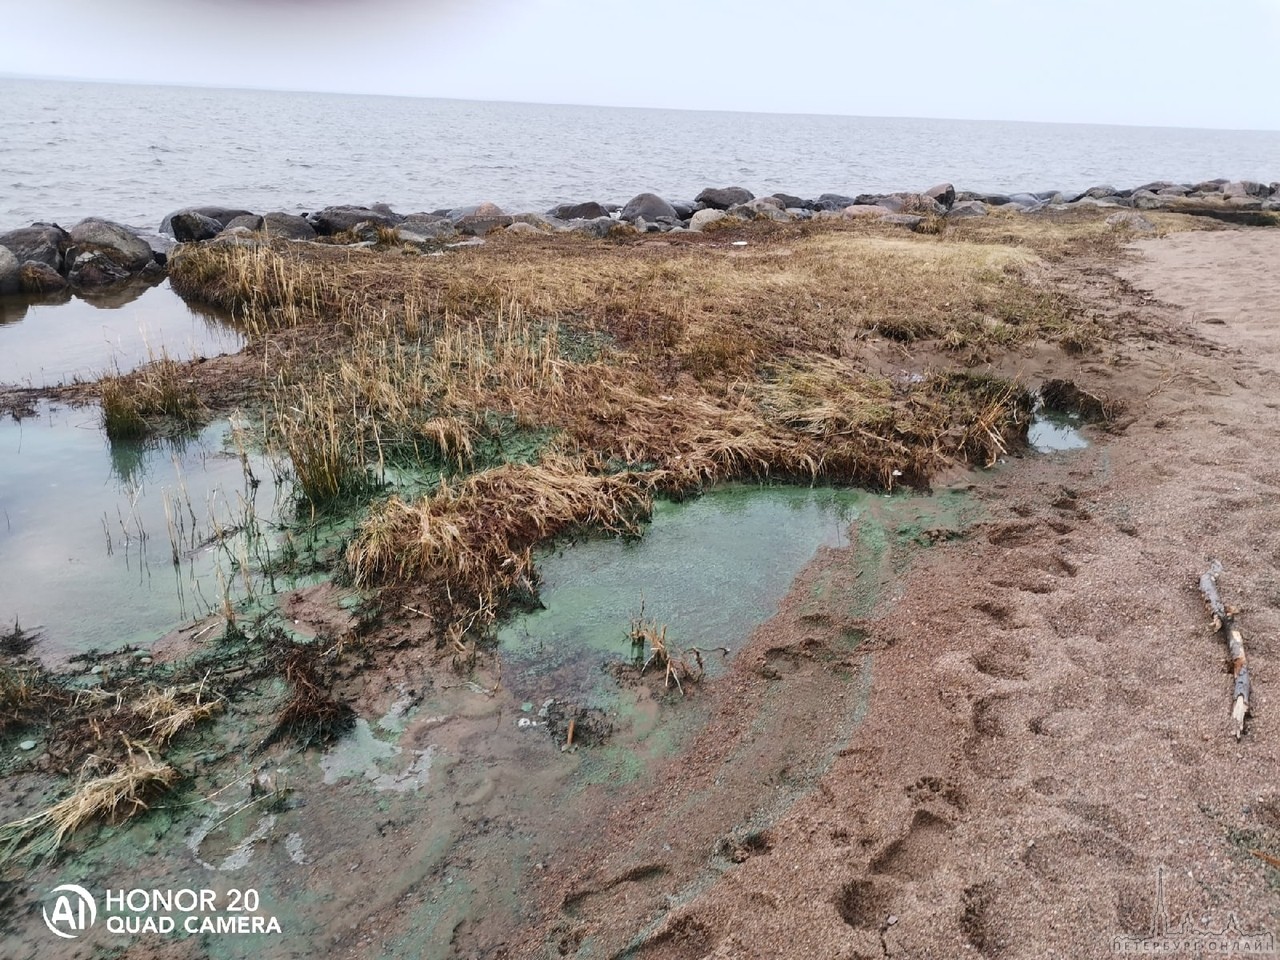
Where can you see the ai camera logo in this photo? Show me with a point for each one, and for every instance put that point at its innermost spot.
(74, 911)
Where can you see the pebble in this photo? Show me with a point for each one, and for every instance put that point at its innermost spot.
(27, 745)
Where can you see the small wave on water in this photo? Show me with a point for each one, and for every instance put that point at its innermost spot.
(301, 151)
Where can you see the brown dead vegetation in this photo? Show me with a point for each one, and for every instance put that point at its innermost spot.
(643, 366)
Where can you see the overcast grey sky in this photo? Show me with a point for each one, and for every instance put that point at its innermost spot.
(1173, 63)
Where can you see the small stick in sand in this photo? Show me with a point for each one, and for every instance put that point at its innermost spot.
(568, 740)
(1224, 621)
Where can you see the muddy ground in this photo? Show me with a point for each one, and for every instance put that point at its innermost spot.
(984, 738)
(1048, 714)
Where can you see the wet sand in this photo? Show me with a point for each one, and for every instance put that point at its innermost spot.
(1048, 719)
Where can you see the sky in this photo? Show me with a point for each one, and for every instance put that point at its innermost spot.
(1145, 62)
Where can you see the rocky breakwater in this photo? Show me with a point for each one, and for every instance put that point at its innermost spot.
(45, 257)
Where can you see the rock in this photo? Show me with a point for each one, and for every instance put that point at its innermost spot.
(1095, 193)
(1244, 203)
(943, 193)
(1275, 190)
(1027, 201)
(333, 220)
(990, 199)
(1128, 220)
(37, 277)
(224, 215)
(28, 745)
(289, 226)
(856, 211)
(526, 228)
(967, 210)
(543, 223)
(96, 268)
(192, 227)
(1173, 190)
(722, 198)
(833, 201)
(892, 204)
(590, 210)
(1210, 186)
(479, 224)
(648, 206)
(239, 230)
(421, 231)
(600, 227)
(790, 202)
(764, 208)
(384, 210)
(124, 246)
(1246, 188)
(484, 210)
(704, 218)
(1146, 200)
(250, 221)
(10, 272)
(160, 244)
(908, 220)
(917, 203)
(41, 243)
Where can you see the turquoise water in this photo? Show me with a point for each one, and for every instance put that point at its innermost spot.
(710, 569)
(89, 529)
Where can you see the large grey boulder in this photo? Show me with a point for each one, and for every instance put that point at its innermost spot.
(1210, 186)
(908, 220)
(967, 210)
(600, 227)
(479, 226)
(833, 201)
(340, 219)
(649, 207)
(722, 198)
(39, 243)
(943, 193)
(792, 202)
(483, 210)
(123, 246)
(95, 267)
(1246, 188)
(856, 211)
(250, 221)
(188, 226)
(1128, 220)
(224, 215)
(10, 272)
(590, 210)
(40, 278)
(1146, 200)
(288, 226)
(704, 218)
(1095, 193)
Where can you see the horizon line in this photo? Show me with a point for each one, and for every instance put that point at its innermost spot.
(61, 78)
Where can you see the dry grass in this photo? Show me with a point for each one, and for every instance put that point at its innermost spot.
(708, 362)
(116, 795)
(311, 715)
(677, 667)
(167, 712)
(152, 396)
(471, 544)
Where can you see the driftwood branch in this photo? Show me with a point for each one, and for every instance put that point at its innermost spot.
(1224, 622)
